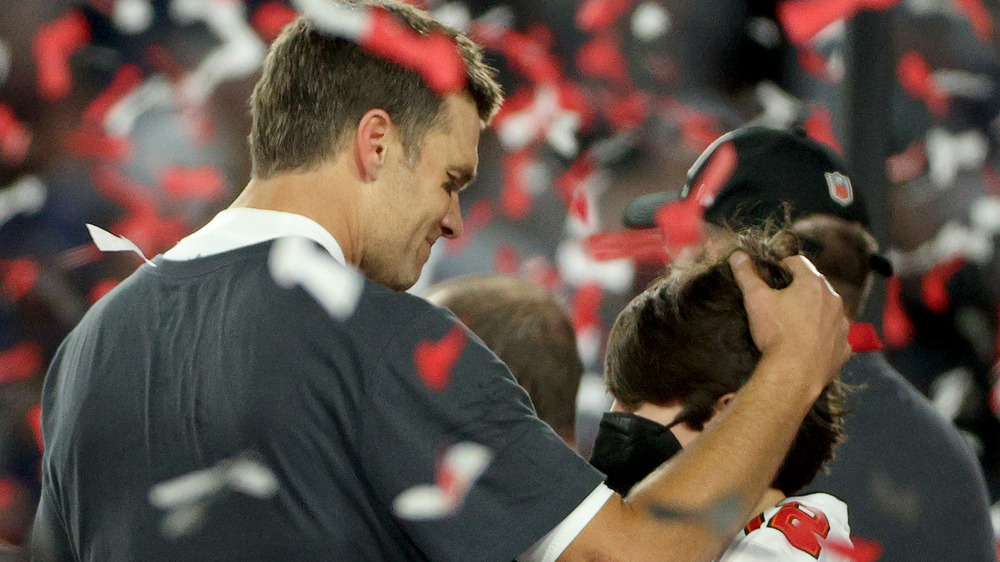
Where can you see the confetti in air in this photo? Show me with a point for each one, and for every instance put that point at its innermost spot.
(186, 497)
(107, 242)
(433, 55)
(457, 472)
(435, 360)
(296, 261)
(25, 196)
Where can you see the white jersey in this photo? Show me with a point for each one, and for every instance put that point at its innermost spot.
(800, 528)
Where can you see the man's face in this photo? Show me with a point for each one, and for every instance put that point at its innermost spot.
(417, 202)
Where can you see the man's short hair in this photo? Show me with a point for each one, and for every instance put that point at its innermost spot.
(842, 251)
(315, 88)
(527, 328)
(686, 340)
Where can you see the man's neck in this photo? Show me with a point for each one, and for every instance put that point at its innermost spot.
(320, 195)
(771, 498)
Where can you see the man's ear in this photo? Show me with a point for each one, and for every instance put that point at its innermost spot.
(371, 143)
(724, 401)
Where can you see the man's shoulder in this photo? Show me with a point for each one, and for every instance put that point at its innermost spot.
(798, 528)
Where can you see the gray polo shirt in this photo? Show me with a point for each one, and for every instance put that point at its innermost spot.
(192, 362)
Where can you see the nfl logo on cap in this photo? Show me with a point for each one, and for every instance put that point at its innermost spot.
(840, 188)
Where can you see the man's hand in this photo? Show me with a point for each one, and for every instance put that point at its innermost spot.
(802, 324)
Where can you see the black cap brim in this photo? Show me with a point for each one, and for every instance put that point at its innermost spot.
(641, 211)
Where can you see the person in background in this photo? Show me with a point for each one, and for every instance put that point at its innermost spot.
(677, 354)
(526, 327)
(912, 482)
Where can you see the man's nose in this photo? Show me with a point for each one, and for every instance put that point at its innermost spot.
(452, 225)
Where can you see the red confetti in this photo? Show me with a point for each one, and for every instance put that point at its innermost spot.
(574, 178)
(862, 550)
(54, 44)
(979, 18)
(699, 130)
(934, 285)
(628, 112)
(587, 306)
(916, 78)
(20, 362)
(90, 144)
(896, 325)
(433, 55)
(126, 79)
(505, 260)
(803, 19)
(434, 360)
(813, 63)
(646, 245)
(516, 200)
(19, 277)
(34, 419)
(680, 222)
(115, 186)
(100, 289)
(270, 18)
(15, 139)
(201, 182)
(863, 338)
(602, 58)
(529, 58)
(595, 15)
(819, 127)
(9, 494)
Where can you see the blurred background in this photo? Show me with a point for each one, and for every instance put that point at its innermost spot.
(133, 115)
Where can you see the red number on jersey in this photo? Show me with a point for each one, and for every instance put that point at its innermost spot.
(801, 528)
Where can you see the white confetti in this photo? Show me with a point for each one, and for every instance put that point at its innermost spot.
(133, 16)
(183, 521)
(949, 154)
(187, 497)
(252, 478)
(765, 32)
(151, 94)
(454, 14)
(650, 21)
(337, 20)
(25, 196)
(295, 261)
(461, 466)
(187, 489)
(948, 392)
(107, 242)
(576, 267)
(544, 117)
(239, 56)
(985, 214)
(781, 109)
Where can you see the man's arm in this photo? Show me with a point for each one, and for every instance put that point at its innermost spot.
(802, 334)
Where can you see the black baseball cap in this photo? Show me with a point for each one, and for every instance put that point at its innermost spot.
(750, 176)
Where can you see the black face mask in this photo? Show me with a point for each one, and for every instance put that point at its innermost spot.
(629, 447)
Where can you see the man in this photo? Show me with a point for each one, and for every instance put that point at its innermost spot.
(530, 332)
(203, 361)
(676, 356)
(909, 478)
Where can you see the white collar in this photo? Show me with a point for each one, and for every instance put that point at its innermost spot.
(240, 227)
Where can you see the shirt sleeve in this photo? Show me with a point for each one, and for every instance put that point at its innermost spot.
(439, 385)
